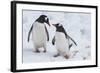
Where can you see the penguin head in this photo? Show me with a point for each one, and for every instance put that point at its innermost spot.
(57, 25)
(43, 19)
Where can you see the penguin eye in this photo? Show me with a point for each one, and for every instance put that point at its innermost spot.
(57, 24)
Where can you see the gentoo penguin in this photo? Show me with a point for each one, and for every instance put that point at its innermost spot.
(39, 33)
(61, 40)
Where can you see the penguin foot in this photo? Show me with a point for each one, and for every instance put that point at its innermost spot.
(66, 56)
(37, 51)
(57, 55)
(44, 51)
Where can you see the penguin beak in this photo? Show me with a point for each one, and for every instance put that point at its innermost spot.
(48, 22)
(53, 24)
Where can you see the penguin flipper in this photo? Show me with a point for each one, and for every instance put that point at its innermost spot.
(47, 33)
(70, 46)
(67, 36)
(53, 41)
(65, 33)
(72, 40)
(29, 33)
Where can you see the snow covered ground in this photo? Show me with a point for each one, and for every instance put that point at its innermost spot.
(77, 25)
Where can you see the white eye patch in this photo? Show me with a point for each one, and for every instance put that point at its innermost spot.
(46, 18)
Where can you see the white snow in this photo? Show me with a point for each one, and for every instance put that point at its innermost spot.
(77, 25)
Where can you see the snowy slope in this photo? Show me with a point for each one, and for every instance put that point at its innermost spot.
(77, 25)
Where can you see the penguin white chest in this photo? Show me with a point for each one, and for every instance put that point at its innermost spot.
(39, 34)
(61, 42)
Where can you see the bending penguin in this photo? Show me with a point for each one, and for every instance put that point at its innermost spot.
(61, 40)
(39, 33)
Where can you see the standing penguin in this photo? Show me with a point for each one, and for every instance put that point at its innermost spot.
(61, 40)
(39, 33)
